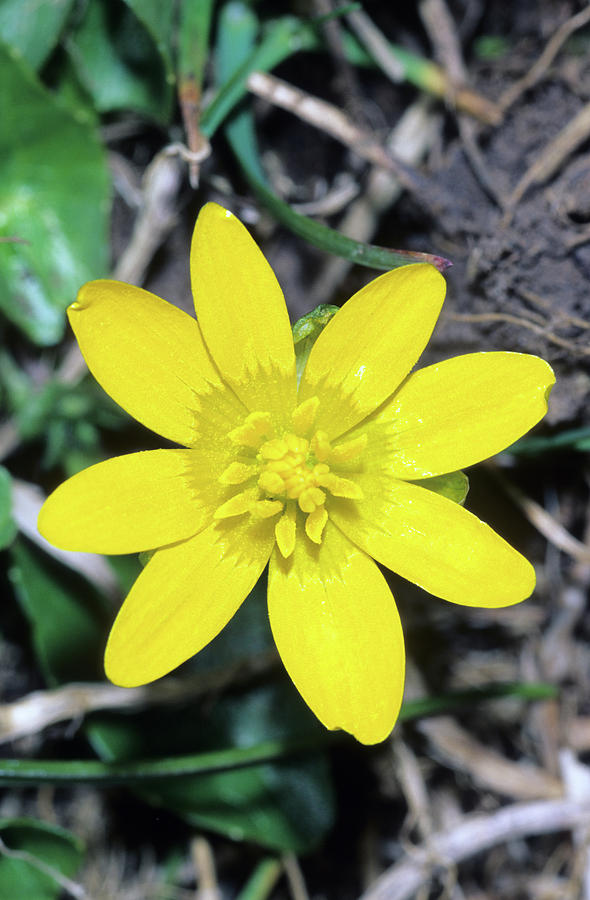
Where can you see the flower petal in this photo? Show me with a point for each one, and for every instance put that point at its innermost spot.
(126, 504)
(147, 354)
(338, 632)
(371, 344)
(183, 598)
(435, 543)
(458, 412)
(242, 312)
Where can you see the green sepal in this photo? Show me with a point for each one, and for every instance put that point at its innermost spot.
(454, 486)
(307, 330)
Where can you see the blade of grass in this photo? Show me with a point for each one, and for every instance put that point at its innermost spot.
(280, 39)
(262, 881)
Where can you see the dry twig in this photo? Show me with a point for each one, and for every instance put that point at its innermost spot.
(544, 522)
(487, 768)
(521, 323)
(438, 84)
(36, 711)
(537, 71)
(551, 158)
(410, 140)
(473, 835)
(331, 120)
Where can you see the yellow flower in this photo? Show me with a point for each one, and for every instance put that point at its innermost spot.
(313, 479)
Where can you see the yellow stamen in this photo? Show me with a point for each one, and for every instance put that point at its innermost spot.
(274, 449)
(255, 429)
(285, 531)
(271, 482)
(237, 473)
(341, 487)
(235, 506)
(320, 445)
(349, 449)
(304, 415)
(310, 498)
(265, 509)
(315, 524)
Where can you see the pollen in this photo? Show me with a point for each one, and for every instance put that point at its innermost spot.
(288, 474)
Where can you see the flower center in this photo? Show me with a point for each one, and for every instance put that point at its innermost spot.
(288, 474)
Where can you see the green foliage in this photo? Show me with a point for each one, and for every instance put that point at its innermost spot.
(121, 53)
(67, 618)
(42, 853)
(54, 199)
(7, 526)
(33, 27)
(284, 804)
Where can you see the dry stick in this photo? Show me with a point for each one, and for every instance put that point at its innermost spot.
(537, 71)
(522, 323)
(473, 835)
(294, 876)
(378, 46)
(490, 770)
(550, 159)
(332, 121)
(410, 140)
(546, 305)
(36, 711)
(549, 527)
(204, 863)
(442, 32)
(441, 29)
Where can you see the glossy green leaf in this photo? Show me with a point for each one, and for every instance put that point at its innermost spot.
(54, 198)
(285, 804)
(121, 55)
(281, 38)
(42, 853)
(569, 439)
(33, 27)
(66, 616)
(7, 527)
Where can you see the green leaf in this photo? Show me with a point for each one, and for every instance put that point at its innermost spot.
(7, 526)
(570, 439)
(122, 57)
(41, 852)
(281, 38)
(54, 197)
(67, 617)
(33, 28)
(285, 804)
(454, 485)
(193, 39)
